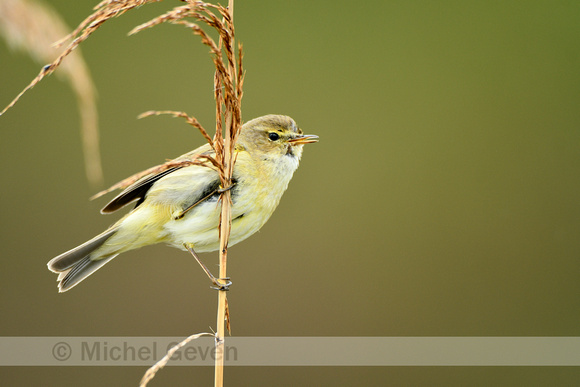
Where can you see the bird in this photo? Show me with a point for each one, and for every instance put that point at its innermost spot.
(177, 203)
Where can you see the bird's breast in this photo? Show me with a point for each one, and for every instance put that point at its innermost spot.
(255, 196)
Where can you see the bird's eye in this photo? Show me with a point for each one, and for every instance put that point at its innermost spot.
(273, 136)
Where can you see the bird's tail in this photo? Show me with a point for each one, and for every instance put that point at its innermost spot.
(77, 264)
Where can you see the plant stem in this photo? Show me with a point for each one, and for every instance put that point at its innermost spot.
(225, 227)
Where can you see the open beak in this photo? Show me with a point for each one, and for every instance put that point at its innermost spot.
(303, 139)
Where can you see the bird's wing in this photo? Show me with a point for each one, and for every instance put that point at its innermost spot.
(137, 186)
(137, 191)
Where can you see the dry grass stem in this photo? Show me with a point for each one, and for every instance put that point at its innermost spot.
(33, 27)
(103, 11)
(190, 120)
(228, 76)
(150, 374)
(228, 84)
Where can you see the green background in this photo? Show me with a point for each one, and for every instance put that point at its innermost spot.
(442, 199)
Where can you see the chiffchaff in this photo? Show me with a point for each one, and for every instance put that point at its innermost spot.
(179, 205)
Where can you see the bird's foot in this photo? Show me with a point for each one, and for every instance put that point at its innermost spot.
(221, 283)
(222, 190)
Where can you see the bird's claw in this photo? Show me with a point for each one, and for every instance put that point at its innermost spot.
(221, 286)
(222, 190)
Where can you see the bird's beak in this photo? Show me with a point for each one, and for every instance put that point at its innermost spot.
(303, 139)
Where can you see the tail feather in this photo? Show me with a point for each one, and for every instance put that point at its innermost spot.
(71, 277)
(77, 264)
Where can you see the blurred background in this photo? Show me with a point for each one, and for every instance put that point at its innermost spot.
(441, 200)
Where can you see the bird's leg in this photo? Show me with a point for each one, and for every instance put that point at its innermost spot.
(222, 190)
(219, 285)
(182, 213)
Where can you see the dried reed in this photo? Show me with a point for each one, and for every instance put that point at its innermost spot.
(228, 84)
(150, 374)
(33, 27)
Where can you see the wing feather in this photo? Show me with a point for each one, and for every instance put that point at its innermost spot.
(137, 186)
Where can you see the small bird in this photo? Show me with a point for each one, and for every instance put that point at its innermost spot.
(177, 202)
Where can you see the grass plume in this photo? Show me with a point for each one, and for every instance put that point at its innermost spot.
(33, 27)
(228, 92)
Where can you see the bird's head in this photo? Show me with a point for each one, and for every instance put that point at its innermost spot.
(274, 136)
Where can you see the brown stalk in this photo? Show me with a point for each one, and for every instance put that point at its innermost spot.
(33, 27)
(228, 82)
(103, 11)
(190, 120)
(150, 374)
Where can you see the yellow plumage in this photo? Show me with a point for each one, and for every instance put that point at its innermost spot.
(179, 206)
